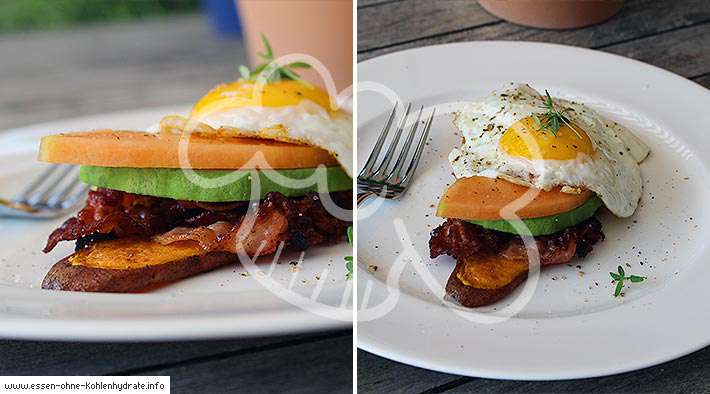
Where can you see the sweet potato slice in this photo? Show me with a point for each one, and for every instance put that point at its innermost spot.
(481, 198)
(480, 281)
(129, 265)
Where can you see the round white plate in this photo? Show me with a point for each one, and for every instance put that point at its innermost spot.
(228, 302)
(573, 327)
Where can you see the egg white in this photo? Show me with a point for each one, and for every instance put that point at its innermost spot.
(306, 121)
(612, 172)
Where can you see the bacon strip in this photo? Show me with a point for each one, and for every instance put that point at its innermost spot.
(121, 215)
(301, 222)
(461, 239)
(259, 236)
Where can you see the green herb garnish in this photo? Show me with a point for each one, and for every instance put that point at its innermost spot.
(270, 71)
(620, 277)
(553, 118)
(349, 259)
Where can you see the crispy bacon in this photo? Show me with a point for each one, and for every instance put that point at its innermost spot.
(301, 221)
(208, 237)
(309, 223)
(259, 235)
(120, 215)
(458, 238)
(461, 239)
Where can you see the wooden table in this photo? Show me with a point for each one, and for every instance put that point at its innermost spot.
(674, 35)
(91, 70)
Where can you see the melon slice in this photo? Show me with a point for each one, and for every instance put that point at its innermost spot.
(481, 198)
(132, 149)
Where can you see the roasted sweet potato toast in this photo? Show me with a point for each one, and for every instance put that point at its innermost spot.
(479, 282)
(129, 265)
(491, 264)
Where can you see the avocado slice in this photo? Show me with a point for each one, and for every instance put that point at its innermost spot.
(173, 183)
(547, 224)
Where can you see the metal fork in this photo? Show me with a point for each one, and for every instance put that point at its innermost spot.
(49, 195)
(382, 178)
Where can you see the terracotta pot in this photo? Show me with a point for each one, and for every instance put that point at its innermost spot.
(323, 29)
(553, 14)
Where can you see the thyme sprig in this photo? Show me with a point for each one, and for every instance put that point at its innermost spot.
(270, 71)
(620, 277)
(553, 118)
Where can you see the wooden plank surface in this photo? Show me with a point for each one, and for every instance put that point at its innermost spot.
(96, 69)
(110, 358)
(672, 35)
(47, 76)
(395, 23)
(703, 80)
(323, 366)
(301, 363)
(379, 375)
(639, 18)
(370, 3)
(684, 51)
(689, 374)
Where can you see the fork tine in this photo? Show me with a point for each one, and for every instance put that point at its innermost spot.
(76, 196)
(382, 185)
(418, 153)
(393, 144)
(405, 150)
(36, 183)
(367, 168)
(58, 197)
(40, 195)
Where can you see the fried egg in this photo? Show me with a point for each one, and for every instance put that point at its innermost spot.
(289, 111)
(503, 138)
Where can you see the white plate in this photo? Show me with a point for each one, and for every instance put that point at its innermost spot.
(222, 303)
(573, 327)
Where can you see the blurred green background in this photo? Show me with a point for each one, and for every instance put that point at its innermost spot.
(28, 15)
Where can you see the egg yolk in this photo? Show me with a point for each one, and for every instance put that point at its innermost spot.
(253, 94)
(525, 139)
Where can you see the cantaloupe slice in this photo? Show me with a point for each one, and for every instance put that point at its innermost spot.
(108, 148)
(481, 198)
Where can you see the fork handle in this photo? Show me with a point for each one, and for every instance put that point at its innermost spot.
(362, 196)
